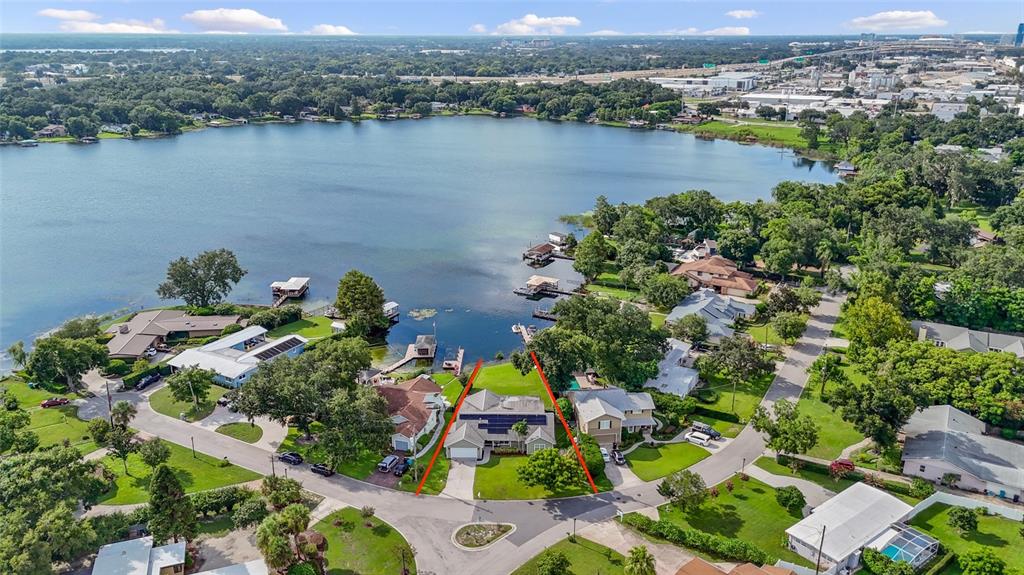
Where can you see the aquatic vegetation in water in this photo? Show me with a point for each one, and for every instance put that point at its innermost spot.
(422, 314)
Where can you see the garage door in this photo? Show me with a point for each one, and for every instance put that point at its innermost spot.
(401, 444)
(463, 453)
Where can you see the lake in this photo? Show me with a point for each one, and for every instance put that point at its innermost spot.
(438, 211)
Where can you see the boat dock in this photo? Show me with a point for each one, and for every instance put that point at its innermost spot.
(293, 288)
(525, 332)
(455, 365)
(541, 313)
(424, 348)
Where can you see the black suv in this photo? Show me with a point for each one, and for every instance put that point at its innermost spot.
(321, 469)
(707, 430)
(402, 467)
(290, 458)
(147, 381)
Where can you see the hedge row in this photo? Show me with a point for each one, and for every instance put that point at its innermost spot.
(719, 415)
(886, 484)
(723, 547)
(133, 378)
(938, 565)
(218, 501)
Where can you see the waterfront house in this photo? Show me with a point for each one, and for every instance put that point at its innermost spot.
(965, 339)
(557, 239)
(942, 440)
(52, 131)
(604, 413)
(704, 249)
(234, 358)
(148, 329)
(415, 407)
(845, 169)
(720, 312)
(486, 419)
(717, 273)
(674, 375)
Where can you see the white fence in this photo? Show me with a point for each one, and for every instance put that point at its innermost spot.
(801, 570)
(960, 501)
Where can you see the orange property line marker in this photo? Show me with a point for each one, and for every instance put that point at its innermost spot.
(558, 410)
(447, 428)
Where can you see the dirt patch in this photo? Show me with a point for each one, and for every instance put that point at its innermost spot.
(383, 479)
(237, 546)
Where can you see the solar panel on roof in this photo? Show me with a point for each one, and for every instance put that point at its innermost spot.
(278, 349)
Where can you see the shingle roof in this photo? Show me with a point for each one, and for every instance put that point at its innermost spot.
(407, 403)
(593, 403)
(465, 432)
(943, 432)
(718, 311)
(962, 338)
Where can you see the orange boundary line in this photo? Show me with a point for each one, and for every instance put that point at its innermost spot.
(558, 410)
(447, 428)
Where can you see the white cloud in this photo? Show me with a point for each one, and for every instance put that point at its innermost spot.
(605, 33)
(69, 15)
(478, 29)
(154, 26)
(534, 24)
(742, 14)
(331, 30)
(723, 31)
(897, 20)
(234, 20)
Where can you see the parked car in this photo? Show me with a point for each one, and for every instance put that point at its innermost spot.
(147, 381)
(403, 466)
(387, 464)
(223, 401)
(698, 438)
(618, 457)
(321, 469)
(54, 402)
(150, 352)
(706, 430)
(232, 407)
(605, 456)
(291, 458)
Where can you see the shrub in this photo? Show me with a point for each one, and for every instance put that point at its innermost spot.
(99, 429)
(224, 500)
(920, 488)
(302, 569)
(367, 512)
(276, 317)
(116, 368)
(231, 328)
(790, 497)
(250, 512)
(723, 547)
(1008, 433)
(706, 395)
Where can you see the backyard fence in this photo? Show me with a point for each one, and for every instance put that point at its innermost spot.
(960, 501)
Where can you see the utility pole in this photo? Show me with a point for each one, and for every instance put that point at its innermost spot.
(110, 404)
(273, 470)
(193, 447)
(817, 562)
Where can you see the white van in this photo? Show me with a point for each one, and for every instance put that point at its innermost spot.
(698, 438)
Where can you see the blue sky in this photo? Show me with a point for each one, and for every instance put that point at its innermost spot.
(418, 17)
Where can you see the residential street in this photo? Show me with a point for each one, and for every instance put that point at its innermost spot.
(427, 522)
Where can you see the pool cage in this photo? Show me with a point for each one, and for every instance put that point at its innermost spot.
(902, 543)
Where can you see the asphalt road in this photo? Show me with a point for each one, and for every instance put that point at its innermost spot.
(428, 522)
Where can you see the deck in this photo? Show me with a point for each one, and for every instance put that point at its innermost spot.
(455, 365)
(410, 355)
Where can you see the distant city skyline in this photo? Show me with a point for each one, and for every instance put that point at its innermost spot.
(596, 17)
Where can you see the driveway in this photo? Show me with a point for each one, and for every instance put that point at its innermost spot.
(621, 475)
(461, 475)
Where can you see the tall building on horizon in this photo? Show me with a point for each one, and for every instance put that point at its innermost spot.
(1019, 40)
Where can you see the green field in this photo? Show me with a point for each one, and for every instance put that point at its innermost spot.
(197, 473)
(504, 379)
(995, 532)
(749, 512)
(834, 434)
(763, 332)
(242, 431)
(585, 556)
(787, 135)
(977, 215)
(451, 387)
(355, 548)
(650, 463)
(748, 396)
(813, 475)
(313, 327)
(498, 479)
(162, 402)
(53, 425)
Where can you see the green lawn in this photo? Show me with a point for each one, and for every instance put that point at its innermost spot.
(314, 327)
(834, 434)
(435, 482)
(216, 526)
(162, 402)
(814, 476)
(195, 473)
(451, 387)
(777, 133)
(649, 463)
(995, 532)
(504, 379)
(498, 479)
(242, 431)
(355, 549)
(977, 215)
(54, 424)
(360, 468)
(763, 332)
(585, 556)
(614, 292)
(748, 396)
(749, 512)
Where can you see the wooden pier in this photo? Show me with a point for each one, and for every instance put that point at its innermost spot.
(525, 332)
(295, 287)
(424, 348)
(541, 313)
(455, 365)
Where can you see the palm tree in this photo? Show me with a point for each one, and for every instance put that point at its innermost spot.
(122, 413)
(639, 562)
(272, 541)
(521, 428)
(295, 520)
